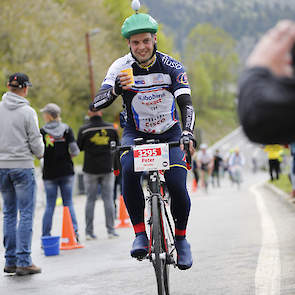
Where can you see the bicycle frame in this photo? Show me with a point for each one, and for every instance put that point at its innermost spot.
(154, 190)
(162, 239)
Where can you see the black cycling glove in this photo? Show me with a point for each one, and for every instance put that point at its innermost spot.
(186, 137)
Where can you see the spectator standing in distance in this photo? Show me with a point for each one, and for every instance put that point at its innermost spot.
(274, 152)
(217, 161)
(205, 164)
(20, 141)
(58, 167)
(94, 139)
(267, 88)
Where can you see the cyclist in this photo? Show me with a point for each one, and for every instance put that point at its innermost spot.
(236, 162)
(205, 163)
(159, 81)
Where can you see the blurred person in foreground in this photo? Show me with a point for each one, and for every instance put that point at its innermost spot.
(58, 167)
(94, 138)
(267, 88)
(20, 142)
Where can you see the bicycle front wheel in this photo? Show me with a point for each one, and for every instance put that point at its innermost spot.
(159, 254)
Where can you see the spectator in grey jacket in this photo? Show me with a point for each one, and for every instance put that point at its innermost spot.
(20, 140)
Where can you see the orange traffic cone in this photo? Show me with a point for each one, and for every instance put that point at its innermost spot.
(68, 239)
(195, 185)
(123, 215)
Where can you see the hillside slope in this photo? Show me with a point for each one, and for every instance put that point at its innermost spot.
(244, 20)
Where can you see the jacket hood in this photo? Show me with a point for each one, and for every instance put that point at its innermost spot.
(55, 128)
(13, 101)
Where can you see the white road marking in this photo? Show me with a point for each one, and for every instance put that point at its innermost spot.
(268, 271)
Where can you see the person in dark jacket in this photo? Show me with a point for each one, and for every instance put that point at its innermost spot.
(267, 88)
(58, 168)
(94, 138)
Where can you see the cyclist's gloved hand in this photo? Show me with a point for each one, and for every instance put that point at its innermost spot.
(188, 144)
(186, 138)
(117, 90)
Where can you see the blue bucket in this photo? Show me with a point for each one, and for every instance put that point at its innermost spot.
(50, 245)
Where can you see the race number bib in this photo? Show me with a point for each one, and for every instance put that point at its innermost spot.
(150, 157)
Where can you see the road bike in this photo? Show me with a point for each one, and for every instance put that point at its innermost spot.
(161, 250)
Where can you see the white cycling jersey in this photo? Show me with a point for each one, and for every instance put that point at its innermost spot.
(150, 103)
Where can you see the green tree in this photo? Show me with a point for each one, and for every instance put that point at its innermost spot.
(212, 51)
(201, 85)
(46, 40)
(48, 43)
(3, 88)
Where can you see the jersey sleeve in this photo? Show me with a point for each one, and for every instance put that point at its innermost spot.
(116, 67)
(179, 80)
(111, 75)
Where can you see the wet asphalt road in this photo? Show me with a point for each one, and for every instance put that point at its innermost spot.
(243, 243)
(226, 237)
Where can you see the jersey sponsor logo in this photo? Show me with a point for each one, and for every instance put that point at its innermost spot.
(158, 79)
(154, 102)
(189, 116)
(139, 82)
(153, 111)
(150, 97)
(170, 63)
(155, 122)
(182, 78)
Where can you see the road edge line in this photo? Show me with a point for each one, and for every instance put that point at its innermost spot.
(268, 270)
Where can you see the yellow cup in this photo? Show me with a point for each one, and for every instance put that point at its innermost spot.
(129, 71)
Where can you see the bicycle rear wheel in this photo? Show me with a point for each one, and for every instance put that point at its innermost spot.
(160, 256)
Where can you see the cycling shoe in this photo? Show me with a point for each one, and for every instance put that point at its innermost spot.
(140, 247)
(184, 254)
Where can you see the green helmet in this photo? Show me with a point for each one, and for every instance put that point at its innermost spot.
(138, 23)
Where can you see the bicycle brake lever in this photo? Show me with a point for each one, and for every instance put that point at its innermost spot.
(186, 144)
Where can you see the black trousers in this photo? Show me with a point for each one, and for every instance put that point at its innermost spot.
(274, 166)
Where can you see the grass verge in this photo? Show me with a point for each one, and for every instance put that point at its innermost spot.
(283, 183)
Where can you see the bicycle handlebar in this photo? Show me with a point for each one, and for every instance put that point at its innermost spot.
(117, 149)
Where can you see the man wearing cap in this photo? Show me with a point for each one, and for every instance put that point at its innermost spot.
(58, 167)
(150, 101)
(20, 141)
